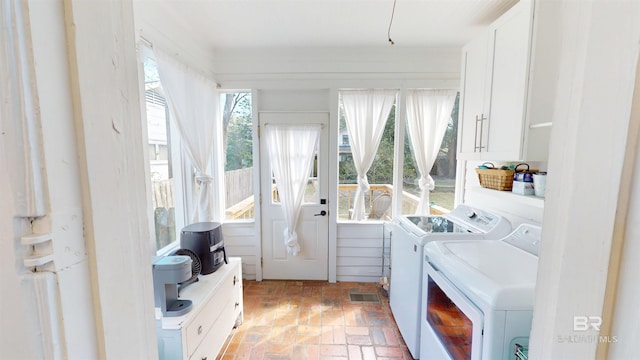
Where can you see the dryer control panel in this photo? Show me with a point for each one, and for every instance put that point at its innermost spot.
(526, 237)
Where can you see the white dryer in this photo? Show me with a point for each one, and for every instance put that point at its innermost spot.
(409, 234)
(477, 300)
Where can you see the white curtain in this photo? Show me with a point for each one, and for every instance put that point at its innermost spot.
(366, 113)
(193, 103)
(428, 114)
(291, 151)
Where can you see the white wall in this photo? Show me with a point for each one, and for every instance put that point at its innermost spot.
(86, 78)
(361, 252)
(155, 24)
(598, 57)
(240, 241)
(107, 114)
(21, 335)
(65, 219)
(516, 208)
(326, 68)
(624, 323)
(16, 325)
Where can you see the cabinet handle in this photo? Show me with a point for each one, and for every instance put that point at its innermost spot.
(204, 358)
(199, 329)
(480, 120)
(237, 304)
(475, 137)
(235, 280)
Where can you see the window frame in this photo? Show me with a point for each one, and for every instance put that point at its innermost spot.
(399, 117)
(218, 162)
(402, 155)
(176, 156)
(398, 156)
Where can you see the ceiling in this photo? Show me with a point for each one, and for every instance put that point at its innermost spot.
(229, 24)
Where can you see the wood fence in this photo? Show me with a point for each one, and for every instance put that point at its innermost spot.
(239, 185)
(162, 194)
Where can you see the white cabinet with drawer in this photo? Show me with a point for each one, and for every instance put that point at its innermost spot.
(217, 308)
(497, 80)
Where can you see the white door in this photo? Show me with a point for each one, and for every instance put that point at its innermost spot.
(313, 225)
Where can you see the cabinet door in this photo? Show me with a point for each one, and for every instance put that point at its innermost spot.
(472, 96)
(510, 41)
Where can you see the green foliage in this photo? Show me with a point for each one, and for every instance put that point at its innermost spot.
(239, 139)
(347, 171)
(381, 171)
(409, 169)
(451, 134)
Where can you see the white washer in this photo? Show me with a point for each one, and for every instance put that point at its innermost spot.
(409, 234)
(478, 296)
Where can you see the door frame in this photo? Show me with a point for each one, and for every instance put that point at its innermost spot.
(331, 187)
(333, 107)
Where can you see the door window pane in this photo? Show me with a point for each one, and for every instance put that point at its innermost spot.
(238, 149)
(311, 193)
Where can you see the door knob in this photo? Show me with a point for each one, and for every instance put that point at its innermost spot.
(321, 213)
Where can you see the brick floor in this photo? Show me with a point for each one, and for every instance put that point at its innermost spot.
(313, 320)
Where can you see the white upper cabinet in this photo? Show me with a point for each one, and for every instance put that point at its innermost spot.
(510, 39)
(495, 87)
(472, 93)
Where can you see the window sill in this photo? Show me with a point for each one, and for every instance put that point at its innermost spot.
(169, 248)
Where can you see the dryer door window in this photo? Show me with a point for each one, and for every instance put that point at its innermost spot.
(452, 322)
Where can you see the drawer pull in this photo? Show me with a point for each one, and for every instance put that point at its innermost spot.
(199, 329)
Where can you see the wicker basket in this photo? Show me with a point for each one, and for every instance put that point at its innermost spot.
(498, 179)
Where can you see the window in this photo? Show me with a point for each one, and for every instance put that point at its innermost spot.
(238, 153)
(311, 194)
(443, 171)
(160, 162)
(380, 175)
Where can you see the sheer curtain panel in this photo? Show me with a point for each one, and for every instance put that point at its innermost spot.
(291, 150)
(193, 103)
(428, 114)
(366, 113)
